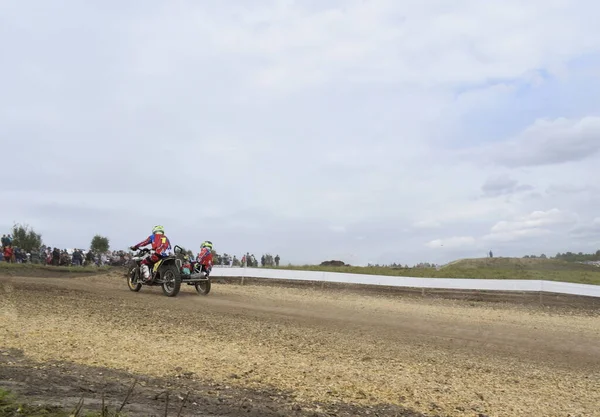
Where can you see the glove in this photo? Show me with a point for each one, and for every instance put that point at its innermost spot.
(133, 247)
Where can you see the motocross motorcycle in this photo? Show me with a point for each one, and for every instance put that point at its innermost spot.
(195, 275)
(165, 273)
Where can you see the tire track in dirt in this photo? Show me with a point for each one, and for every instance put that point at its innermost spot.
(532, 343)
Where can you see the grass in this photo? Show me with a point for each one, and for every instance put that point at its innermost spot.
(10, 406)
(5, 266)
(483, 268)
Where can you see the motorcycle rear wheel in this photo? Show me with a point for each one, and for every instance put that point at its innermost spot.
(172, 280)
(203, 287)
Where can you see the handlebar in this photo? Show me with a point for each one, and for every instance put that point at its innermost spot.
(142, 249)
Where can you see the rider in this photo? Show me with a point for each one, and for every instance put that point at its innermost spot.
(205, 257)
(160, 245)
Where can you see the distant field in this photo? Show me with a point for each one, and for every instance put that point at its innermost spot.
(484, 268)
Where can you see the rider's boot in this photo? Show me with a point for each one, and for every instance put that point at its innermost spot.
(145, 273)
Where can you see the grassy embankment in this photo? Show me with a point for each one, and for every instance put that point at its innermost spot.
(484, 268)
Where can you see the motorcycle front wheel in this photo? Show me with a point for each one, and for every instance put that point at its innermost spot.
(132, 279)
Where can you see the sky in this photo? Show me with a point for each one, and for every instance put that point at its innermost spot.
(367, 131)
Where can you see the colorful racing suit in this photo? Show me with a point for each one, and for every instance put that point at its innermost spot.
(160, 245)
(205, 260)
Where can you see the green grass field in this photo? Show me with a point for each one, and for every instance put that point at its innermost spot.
(484, 268)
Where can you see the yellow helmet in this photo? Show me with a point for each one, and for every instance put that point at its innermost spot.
(158, 229)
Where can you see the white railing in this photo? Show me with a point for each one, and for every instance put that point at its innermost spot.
(396, 281)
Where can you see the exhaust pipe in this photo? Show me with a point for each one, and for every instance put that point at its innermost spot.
(198, 277)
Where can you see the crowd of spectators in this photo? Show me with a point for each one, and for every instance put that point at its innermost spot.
(265, 260)
(47, 255)
(247, 260)
(80, 257)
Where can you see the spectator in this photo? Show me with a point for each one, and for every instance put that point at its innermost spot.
(34, 257)
(65, 258)
(9, 254)
(56, 257)
(48, 256)
(89, 258)
(20, 256)
(77, 257)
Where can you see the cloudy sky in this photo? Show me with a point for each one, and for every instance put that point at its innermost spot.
(367, 131)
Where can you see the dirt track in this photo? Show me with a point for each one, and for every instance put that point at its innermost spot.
(293, 351)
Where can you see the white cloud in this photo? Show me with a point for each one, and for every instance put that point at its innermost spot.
(502, 185)
(586, 230)
(559, 189)
(431, 44)
(337, 228)
(452, 242)
(289, 126)
(535, 219)
(536, 224)
(517, 234)
(427, 224)
(548, 142)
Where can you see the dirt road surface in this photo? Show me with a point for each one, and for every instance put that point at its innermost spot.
(257, 350)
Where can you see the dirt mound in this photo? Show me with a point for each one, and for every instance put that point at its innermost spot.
(333, 263)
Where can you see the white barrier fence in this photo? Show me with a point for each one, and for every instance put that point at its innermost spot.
(396, 281)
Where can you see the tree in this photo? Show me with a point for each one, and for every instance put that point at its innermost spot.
(578, 257)
(100, 244)
(26, 238)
